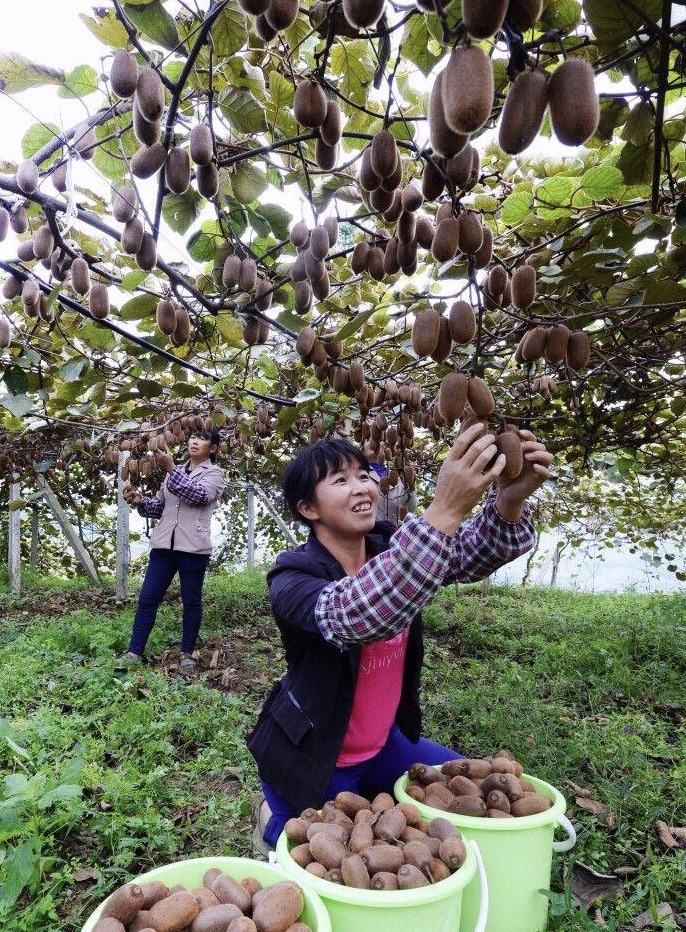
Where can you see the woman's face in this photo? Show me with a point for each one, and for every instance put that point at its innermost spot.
(344, 501)
(199, 448)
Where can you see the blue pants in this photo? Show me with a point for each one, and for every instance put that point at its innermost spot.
(162, 567)
(376, 775)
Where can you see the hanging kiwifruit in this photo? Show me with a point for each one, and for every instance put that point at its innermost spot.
(444, 244)
(390, 260)
(84, 140)
(43, 242)
(25, 251)
(391, 215)
(231, 271)
(433, 177)
(182, 333)
(523, 112)
(524, 14)
(124, 73)
(298, 272)
(452, 397)
(125, 204)
(251, 329)
(406, 227)
(459, 168)
(330, 224)
(470, 234)
(321, 287)
(303, 297)
(384, 154)
(462, 321)
(12, 287)
(27, 176)
(150, 94)
(411, 197)
(132, 236)
(479, 397)
(58, 176)
(376, 263)
(264, 296)
(483, 255)
(314, 267)
(247, 275)
(325, 156)
(578, 351)
(80, 275)
(424, 232)
(254, 7)
(319, 242)
(524, 287)
(177, 172)
(99, 301)
(467, 89)
(148, 160)
(280, 14)
(264, 29)
(145, 131)
(146, 257)
(166, 316)
(363, 13)
(443, 140)
(207, 178)
(556, 344)
(200, 141)
(368, 178)
(309, 104)
(425, 332)
(509, 443)
(532, 345)
(483, 18)
(30, 295)
(497, 280)
(381, 200)
(331, 130)
(305, 341)
(358, 262)
(5, 332)
(19, 219)
(299, 234)
(444, 346)
(573, 102)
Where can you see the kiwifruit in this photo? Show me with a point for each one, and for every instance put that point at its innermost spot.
(533, 344)
(556, 343)
(27, 176)
(132, 236)
(410, 877)
(146, 257)
(334, 348)
(363, 13)
(266, 32)
(433, 178)
(228, 890)
(25, 251)
(331, 129)
(509, 443)
(390, 825)
(381, 200)
(479, 397)
(530, 804)
(145, 131)
(12, 287)
(43, 242)
(441, 828)
(468, 805)
(277, 906)
(453, 852)
(444, 243)
(298, 272)
(407, 257)
(391, 264)
(243, 924)
(247, 275)
(5, 332)
(376, 263)
(319, 242)
(124, 73)
(215, 917)
(309, 104)
(524, 286)
(314, 267)
(384, 153)
(462, 321)
(299, 234)
(45, 311)
(424, 232)
(303, 297)
(231, 271)
(411, 198)
(497, 280)
(58, 176)
(470, 234)
(210, 875)
(254, 7)
(445, 342)
(263, 295)
(251, 330)
(391, 215)
(124, 903)
(148, 160)
(330, 224)
(150, 94)
(368, 178)
(483, 18)
(523, 111)
(325, 848)
(406, 227)
(177, 171)
(355, 873)
(573, 101)
(467, 89)
(439, 791)
(382, 857)
(19, 219)
(166, 316)
(417, 854)
(524, 13)
(483, 255)
(325, 156)
(125, 204)
(305, 341)
(444, 210)
(452, 396)
(460, 785)
(207, 178)
(99, 301)
(384, 880)
(200, 143)
(182, 333)
(459, 167)
(391, 182)
(578, 351)
(80, 275)
(444, 141)
(84, 140)
(425, 332)
(280, 14)
(496, 799)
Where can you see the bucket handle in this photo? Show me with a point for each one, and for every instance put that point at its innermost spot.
(482, 917)
(567, 843)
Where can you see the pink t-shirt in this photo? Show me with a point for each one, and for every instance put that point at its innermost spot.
(377, 695)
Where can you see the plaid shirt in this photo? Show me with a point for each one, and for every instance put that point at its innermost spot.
(383, 598)
(179, 483)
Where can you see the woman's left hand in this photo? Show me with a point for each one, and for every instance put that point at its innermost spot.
(164, 459)
(512, 493)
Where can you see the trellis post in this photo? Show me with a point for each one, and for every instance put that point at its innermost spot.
(123, 556)
(251, 526)
(14, 542)
(68, 529)
(34, 538)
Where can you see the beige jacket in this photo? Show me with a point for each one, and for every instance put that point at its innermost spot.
(190, 524)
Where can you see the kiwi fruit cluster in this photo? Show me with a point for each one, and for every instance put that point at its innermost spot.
(321, 353)
(381, 171)
(570, 95)
(309, 274)
(220, 904)
(374, 845)
(500, 290)
(461, 171)
(489, 787)
(362, 14)
(314, 110)
(271, 16)
(556, 344)
(461, 100)
(135, 239)
(545, 386)
(173, 321)
(462, 234)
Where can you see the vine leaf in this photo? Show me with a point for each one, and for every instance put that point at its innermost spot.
(19, 74)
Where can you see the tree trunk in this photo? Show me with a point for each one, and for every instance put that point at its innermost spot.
(530, 560)
(123, 558)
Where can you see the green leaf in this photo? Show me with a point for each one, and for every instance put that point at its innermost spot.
(516, 207)
(307, 394)
(640, 124)
(621, 292)
(182, 210)
(19, 74)
(354, 325)
(18, 867)
(556, 191)
(106, 27)
(350, 61)
(201, 247)
(132, 280)
(664, 292)
(71, 371)
(560, 14)
(248, 182)
(62, 792)
(278, 218)
(613, 22)
(37, 136)
(154, 22)
(230, 329)
(18, 405)
(15, 380)
(244, 113)
(636, 163)
(229, 33)
(416, 45)
(603, 183)
(80, 82)
(281, 91)
(143, 305)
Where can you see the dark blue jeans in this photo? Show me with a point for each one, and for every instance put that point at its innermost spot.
(162, 567)
(373, 776)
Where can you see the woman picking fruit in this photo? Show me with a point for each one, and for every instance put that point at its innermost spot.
(348, 603)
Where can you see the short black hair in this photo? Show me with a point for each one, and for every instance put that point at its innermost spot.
(311, 465)
(212, 435)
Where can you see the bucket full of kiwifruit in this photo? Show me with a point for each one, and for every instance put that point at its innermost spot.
(211, 894)
(351, 854)
(512, 817)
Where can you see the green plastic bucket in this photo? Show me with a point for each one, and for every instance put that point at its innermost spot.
(190, 874)
(436, 908)
(517, 855)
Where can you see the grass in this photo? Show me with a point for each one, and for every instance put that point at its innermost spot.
(109, 772)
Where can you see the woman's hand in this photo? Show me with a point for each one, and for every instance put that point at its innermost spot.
(164, 459)
(463, 477)
(512, 493)
(132, 496)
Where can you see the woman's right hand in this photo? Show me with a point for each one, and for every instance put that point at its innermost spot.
(463, 478)
(132, 496)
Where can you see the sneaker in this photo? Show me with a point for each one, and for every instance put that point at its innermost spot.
(259, 813)
(187, 662)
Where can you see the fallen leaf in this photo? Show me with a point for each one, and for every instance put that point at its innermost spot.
(589, 887)
(575, 788)
(215, 660)
(591, 805)
(679, 834)
(665, 835)
(87, 873)
(662, 910)
(625, 871)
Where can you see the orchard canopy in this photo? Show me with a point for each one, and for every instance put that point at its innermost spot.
(363, 216)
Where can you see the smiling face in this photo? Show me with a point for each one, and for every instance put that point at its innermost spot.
(344, 502)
